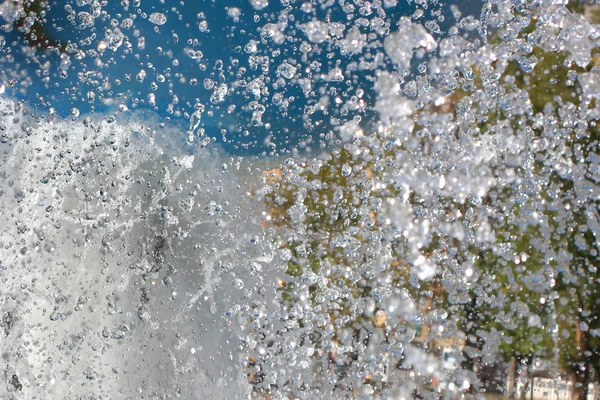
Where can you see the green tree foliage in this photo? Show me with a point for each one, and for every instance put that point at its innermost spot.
(535, 287)
(542, 293)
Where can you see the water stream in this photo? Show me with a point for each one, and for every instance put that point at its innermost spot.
(298, 200)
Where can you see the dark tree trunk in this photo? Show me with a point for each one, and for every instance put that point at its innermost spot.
(531, 378)
(511, 388)
(582, 377)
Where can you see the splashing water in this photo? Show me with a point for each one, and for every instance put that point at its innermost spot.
(422, 222)
(195, 120)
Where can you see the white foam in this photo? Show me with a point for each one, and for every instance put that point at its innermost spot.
(118, 253)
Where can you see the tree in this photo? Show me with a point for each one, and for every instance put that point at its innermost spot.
(480, 207)
(545, 279)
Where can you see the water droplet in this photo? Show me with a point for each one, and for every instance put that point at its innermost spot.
(157, 18)
(259, 4)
